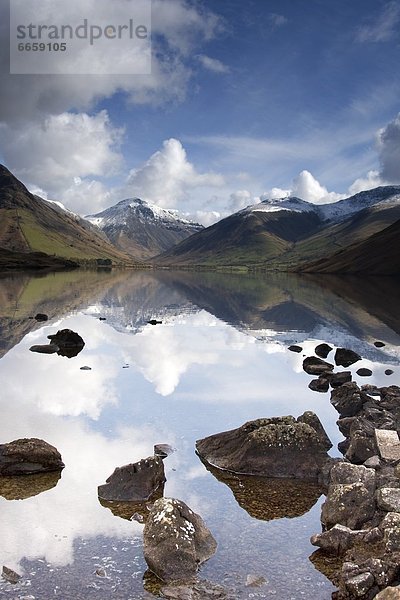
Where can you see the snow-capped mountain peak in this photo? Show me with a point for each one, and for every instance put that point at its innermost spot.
(143, 229)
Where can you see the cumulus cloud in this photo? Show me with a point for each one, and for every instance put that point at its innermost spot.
(167, 176)
(51, 152)
(384, 27)
(389, 151)
(213, 64)
(306, 187)
(177, 28)
(240, 199)
(370, 181)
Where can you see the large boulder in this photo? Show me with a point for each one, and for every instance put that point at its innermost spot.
(348, 399)
(136, 482)
(176, 541)
(271, 447)
(351, 505)
(27, 456)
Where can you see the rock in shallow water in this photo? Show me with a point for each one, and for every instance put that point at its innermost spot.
(136, 482)
(69, 342)
(272, 447)
(27, 456)
(176, 541)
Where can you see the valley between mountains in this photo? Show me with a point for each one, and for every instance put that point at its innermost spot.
(355, 235)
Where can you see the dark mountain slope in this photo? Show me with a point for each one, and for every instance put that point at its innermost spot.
(377, 255)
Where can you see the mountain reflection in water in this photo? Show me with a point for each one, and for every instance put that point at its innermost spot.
(218, 359)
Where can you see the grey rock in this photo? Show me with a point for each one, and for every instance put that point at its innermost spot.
(379, 344)
(338, 379)
(86, 368)
(176, 541)
(359, 585)
(322, 350)
(345, 357)
(389, 499)
(10, 575)
(372, 390)
(316, 366)
(373, 462)
(319, 385)
(351, 505)
(361, 447)
(345, 473)
(135, 482)
(271, 447)
(391, 519)
(295, 348)
(389, 593)
(337, 540)
(392, 539)
(28, 456)
(347, 399)
(389, 372)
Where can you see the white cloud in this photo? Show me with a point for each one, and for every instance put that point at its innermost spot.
(384, 27)
(167, 176)
(213, 64)
(51, 152)
(370, 181)
(306, 187)
(240, 199)
(277, 20)
(389, 151)
(177, 28)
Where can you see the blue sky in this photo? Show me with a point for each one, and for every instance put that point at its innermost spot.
(246, 100)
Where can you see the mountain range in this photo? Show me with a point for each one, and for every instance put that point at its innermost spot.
(355, 235)
(141, 229)
(291, 234)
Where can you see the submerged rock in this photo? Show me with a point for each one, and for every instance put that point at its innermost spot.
(27, 456)
(266, 498)
(273, 447)
(69, 342)
(20, 488)
(135, 482)
(176, 541)
(345, 357)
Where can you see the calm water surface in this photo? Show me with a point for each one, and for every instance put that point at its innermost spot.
(218, 359)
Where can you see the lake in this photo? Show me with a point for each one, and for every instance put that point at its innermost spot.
(219, 358)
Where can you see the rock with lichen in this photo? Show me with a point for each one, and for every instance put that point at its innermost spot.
(176, 541)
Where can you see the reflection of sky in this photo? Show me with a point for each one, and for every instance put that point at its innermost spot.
(192, 376)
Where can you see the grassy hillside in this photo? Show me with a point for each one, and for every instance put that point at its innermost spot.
(30, 224)
(378, 255)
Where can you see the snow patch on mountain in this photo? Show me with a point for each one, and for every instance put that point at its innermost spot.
(381, 197)
(119, 214)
